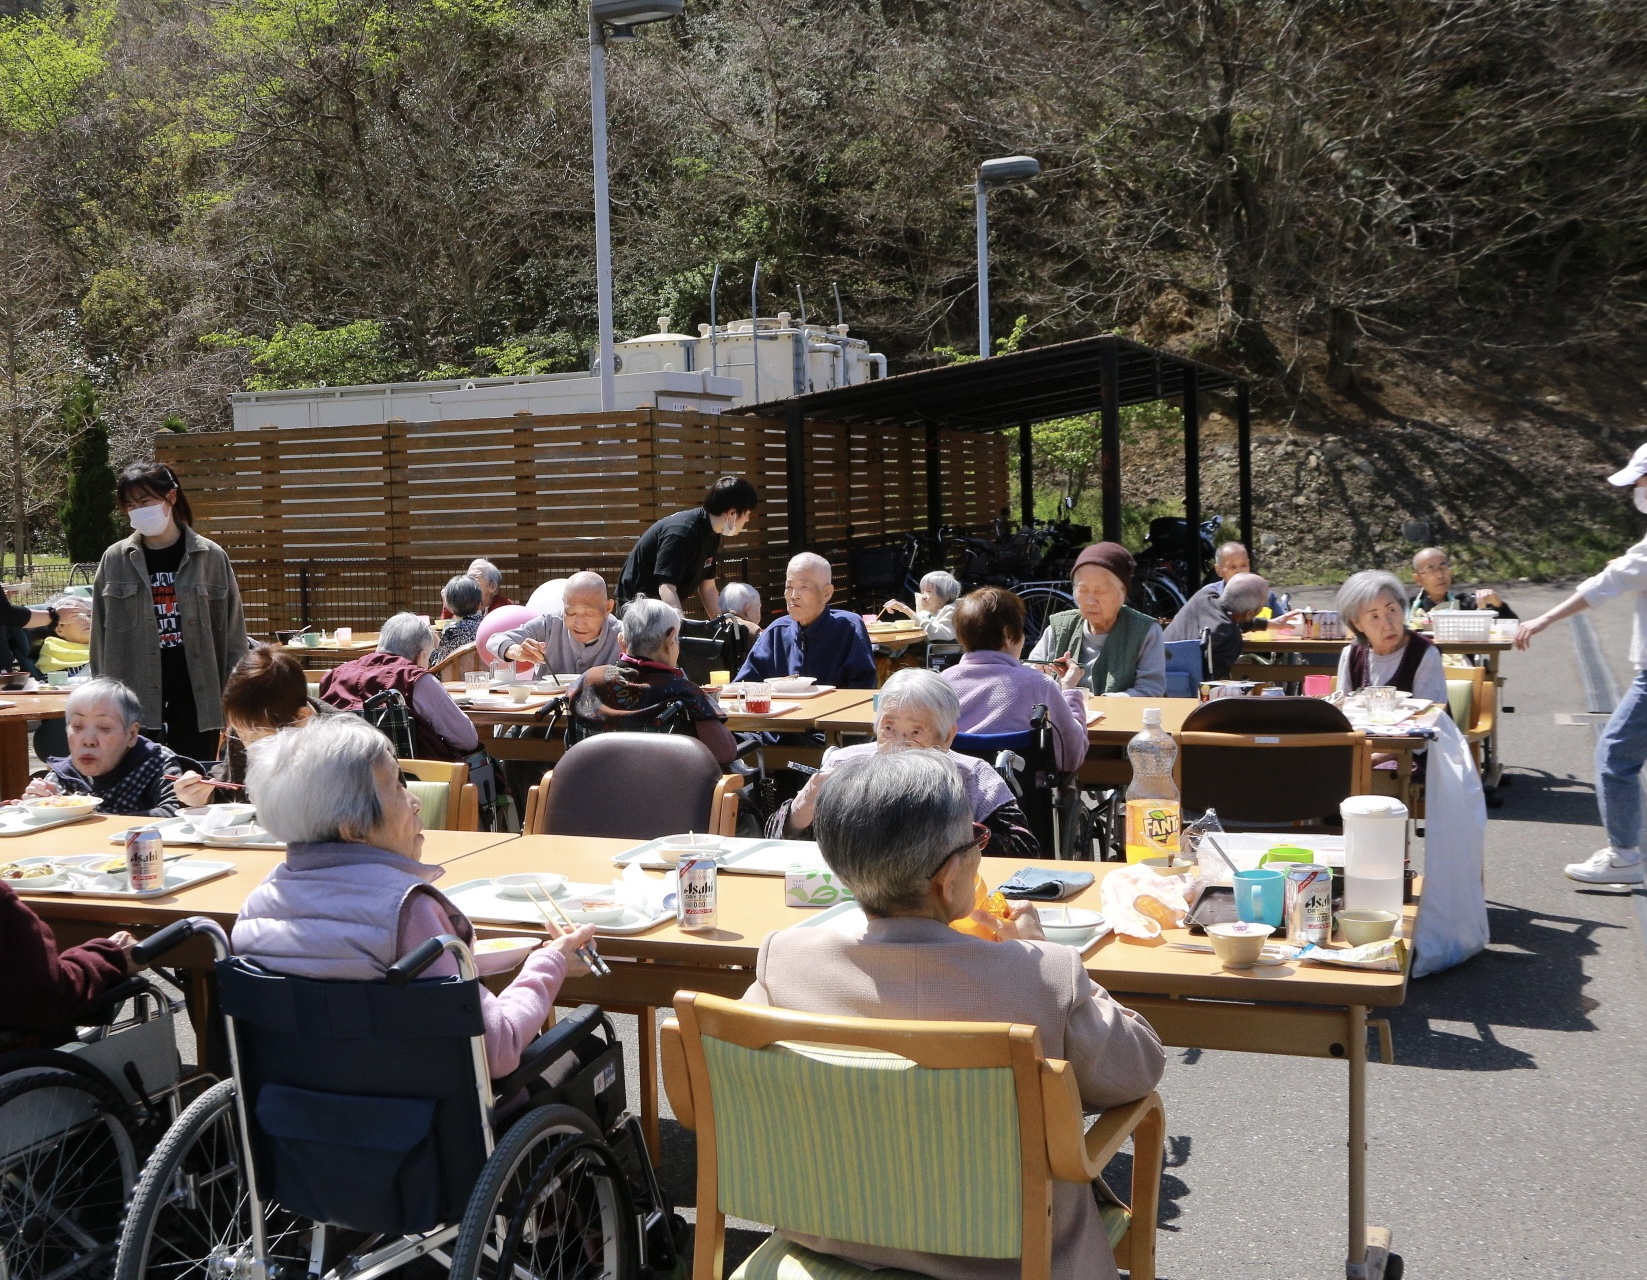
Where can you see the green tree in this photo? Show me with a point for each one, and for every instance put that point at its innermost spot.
(303, 355)
(87, 511)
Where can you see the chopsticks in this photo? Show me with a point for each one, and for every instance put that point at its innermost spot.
(227, 786)
(588, 955)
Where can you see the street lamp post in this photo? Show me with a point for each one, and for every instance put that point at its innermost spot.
(994, 173)
(610, 20)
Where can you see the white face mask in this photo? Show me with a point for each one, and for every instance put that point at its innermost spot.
(1639, 497)
(150, 521)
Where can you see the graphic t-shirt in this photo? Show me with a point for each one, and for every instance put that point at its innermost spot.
(163, 565)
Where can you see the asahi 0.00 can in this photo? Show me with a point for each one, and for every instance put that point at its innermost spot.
(1309, 905)
(145, 859)
(696, 909)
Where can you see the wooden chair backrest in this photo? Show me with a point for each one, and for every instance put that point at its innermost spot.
(463, 801)
(1047, 1100)
(1258, 777)
(458, 663)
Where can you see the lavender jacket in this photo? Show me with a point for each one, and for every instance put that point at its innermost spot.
(998, 694)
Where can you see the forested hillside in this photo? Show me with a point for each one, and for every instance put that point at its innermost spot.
(1411, 221)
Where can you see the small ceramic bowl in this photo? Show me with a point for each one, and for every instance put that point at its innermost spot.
(594, 911)
(673, 848)
(45, 808)
(1072, 926)
(1238, 943)
(531, 884)
(499, 955)
(245, 833)
(1362, 927)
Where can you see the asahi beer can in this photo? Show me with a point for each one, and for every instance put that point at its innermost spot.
(696, 909)
(145, 859)
(1308, 914)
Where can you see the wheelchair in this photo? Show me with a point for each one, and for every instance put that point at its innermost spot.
(77, 1115)
(1061, 813)
(361, 1132)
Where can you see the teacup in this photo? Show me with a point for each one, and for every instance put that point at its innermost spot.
(518, 693)
(1238, 943)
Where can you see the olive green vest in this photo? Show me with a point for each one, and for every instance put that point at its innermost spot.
(1117, 667)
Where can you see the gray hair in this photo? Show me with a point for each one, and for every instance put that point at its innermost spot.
(811, 562)
(739, 598)
(883, 823)
(316, 782)
(489, 571)
(646, 624)
(462, 595)
(408, 635)
(924, 692)
(1363, 590)
(106, 689)
(1246, 591)
(943, 585)
(65, 601)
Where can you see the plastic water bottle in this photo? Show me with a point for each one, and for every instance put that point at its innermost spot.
(1153, 811)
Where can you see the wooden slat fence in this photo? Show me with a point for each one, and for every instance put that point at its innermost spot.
(345, 525)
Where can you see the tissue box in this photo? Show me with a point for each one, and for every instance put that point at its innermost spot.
(810, 887)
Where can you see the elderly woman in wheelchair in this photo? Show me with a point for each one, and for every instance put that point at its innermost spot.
(392, 1107)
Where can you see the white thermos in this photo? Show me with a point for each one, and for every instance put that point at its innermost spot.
(1375, 853)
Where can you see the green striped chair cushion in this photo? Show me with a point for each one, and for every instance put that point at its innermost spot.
(1460, 696)
(1116, 1221)
(433, 797)
(910, 1136)
(780, 1259)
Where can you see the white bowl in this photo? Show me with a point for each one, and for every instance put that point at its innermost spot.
(499, 955)
(672, 848)
(531, 884)
(1072, 926)
(594, 911)
(55, 876)
(791, 684)
(1237, 943)
(47, 807)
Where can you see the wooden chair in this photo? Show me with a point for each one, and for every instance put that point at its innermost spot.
(635, 786)
(1472, 697)
(1267, 761)
(458, 663)
(450, 801)
(822, 1126)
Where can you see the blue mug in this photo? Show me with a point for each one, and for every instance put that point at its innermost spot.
(1260, 896)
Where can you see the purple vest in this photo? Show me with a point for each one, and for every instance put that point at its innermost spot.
(334, 911)
(985, 789)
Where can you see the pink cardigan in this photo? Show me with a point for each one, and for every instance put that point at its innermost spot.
(998, 694)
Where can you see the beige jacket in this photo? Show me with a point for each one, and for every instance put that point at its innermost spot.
(908, 968)
(125, 641)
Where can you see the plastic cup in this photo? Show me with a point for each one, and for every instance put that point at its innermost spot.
(1317, 686)
(344, 635)
(475, 682)
(720, 677)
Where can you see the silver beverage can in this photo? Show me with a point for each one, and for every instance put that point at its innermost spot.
(145, 859)
(696, 909)
(1308, 914)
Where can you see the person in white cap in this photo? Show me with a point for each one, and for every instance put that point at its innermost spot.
(1623, 747)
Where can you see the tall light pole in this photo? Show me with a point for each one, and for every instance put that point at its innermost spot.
(994, 173)
(611, 20)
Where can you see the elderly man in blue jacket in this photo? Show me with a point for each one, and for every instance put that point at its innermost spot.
(814, 640)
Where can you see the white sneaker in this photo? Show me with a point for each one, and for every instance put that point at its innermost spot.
(1602, 867)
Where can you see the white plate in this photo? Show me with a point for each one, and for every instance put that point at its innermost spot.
(521, 887)
(15, 821)
(848, 920)
(809, 691)
(480, 900)
(37, 882)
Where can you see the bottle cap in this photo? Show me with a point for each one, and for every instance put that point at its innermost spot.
(1152, 717)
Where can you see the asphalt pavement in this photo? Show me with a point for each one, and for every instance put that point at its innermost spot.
(1507, 1138)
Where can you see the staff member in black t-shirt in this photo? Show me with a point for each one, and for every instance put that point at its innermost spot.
(166, 615)
(679, 554)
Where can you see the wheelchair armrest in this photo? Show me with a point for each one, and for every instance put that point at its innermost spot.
(176, 934)
(560, 1039)
(423, 955)
(749, 746)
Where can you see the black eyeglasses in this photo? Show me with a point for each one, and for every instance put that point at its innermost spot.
(979, 841)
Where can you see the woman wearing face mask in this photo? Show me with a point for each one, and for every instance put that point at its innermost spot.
(166, 616)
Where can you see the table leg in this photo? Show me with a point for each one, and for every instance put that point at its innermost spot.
(14, 758)
(648, 1018)
(1369, 1246)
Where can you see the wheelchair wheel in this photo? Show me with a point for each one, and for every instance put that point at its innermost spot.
(190, 1216)
(67, 1164)
(550, 1203)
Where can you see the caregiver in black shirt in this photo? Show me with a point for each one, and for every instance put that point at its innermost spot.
(679, 554)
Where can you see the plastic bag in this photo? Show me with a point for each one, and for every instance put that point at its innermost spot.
(1139, 902)
(1213, 868)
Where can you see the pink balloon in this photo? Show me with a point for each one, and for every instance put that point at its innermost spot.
(497, 622)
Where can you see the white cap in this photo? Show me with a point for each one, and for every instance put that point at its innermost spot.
(1633, 470)
(1152, 715)
(1371, 807)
